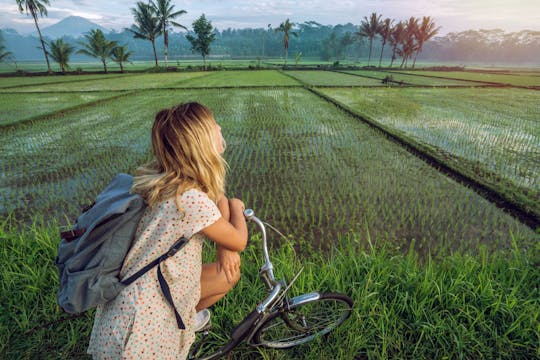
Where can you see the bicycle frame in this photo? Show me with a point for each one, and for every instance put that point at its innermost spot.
(276, 297)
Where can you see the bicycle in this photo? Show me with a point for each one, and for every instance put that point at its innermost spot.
(278, 321)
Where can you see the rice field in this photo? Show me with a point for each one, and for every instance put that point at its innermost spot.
(14, 81)
(16, 107)
(328, 174)
(387, 222)
(494, 133)
(329, 78)
(514, 78)
(409, 79)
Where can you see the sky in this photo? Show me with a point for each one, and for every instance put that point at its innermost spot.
(451, 15)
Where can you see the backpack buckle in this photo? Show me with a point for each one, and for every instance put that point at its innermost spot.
(179, 244)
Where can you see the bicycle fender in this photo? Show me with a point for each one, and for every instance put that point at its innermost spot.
(304, 298)
(243, 329)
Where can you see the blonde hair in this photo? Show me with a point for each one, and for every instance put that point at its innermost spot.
(185, 156)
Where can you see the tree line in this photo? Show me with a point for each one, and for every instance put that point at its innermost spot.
(374, 38)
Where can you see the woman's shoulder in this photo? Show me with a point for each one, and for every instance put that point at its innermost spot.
(195, 200)
(194, 194)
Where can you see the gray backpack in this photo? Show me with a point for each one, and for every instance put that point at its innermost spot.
(90, 256)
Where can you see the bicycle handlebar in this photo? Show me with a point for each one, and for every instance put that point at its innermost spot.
(249, 214)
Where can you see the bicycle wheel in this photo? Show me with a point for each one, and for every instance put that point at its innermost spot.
(304, 321)
(209, 347)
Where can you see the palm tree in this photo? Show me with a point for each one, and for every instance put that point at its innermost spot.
(97, 46)
(424, 32)
(34, 7)
(408, 41)
(121, 55)
(285, 28)
(60, 52)
(396, 38)
(385, 31)
(147, 25)
(3, 53)
(370, 28)
(164, 11)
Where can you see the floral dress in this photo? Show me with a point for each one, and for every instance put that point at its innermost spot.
(139, 323)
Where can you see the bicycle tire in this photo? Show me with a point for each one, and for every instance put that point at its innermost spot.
(304, 322)
(206, 349)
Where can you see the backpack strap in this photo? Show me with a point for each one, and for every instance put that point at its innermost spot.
(179, 244)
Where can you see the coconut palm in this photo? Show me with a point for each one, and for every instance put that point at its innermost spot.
(408, 41)
(60, 52)
(165, 12)
(147, 25)
(3, 53)
(425, 31)
(285, 28)
(120, 55)
(396, 38)
(370, 28)
(33, 7)
(97, 46)
(385, 31)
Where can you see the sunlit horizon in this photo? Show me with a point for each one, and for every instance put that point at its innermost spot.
(451, 16)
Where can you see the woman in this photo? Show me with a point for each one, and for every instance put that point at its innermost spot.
(184, 188)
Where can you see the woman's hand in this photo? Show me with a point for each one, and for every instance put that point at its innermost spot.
(228, 261)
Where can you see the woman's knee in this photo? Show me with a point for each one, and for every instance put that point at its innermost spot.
(234, 279)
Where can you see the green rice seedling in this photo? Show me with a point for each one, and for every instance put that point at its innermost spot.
(240, 79)
(329, 78)
(508, 79)
(16, 107)
(409, 79)
(293, 156)
(126, 82)
(492, 134)
(9, 82)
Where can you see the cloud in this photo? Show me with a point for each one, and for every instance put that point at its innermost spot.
(452, 15)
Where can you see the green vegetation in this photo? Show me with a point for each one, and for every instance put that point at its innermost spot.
(16, 81)
(11, 111)
(286, 28)
(327, 78)
(147, 24)
(241, 78)
(35, 7)
(518, 79)
(202, 38)
(435, 270)
(459, 307)
(411, 79)
(61, 52)
(122, 82)
(491, 134)
(166, 14)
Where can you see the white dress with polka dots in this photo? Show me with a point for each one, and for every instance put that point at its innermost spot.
(139, 323)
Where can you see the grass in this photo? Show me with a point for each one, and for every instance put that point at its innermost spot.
(463, 306)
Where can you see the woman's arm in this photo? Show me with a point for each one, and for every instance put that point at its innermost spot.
(230, 234)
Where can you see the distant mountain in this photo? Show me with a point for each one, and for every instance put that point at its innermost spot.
(73, 26)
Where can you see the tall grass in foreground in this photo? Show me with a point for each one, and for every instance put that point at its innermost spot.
(484, 306)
